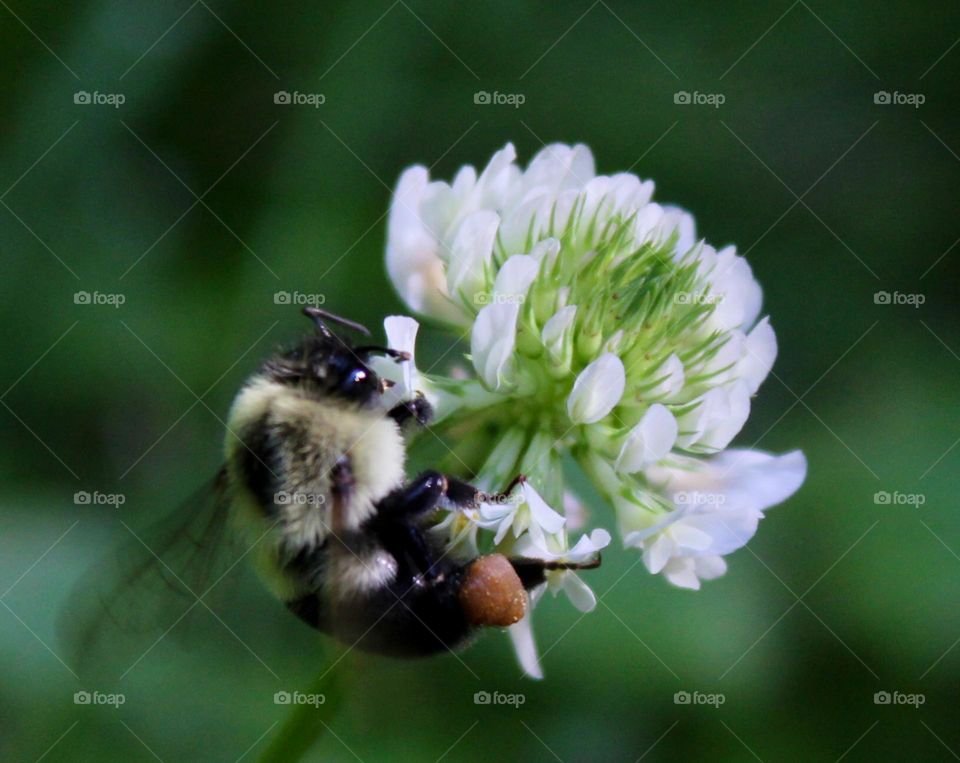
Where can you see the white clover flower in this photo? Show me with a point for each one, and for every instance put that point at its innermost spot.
(459, 531)
(649, 441)
(719, 502)
(553, 549)
(401, 334)
(601, 328)
(525, 513)
(597, 389)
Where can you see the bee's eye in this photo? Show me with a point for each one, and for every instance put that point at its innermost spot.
(349, 377)
(357, 382)
(355, 376)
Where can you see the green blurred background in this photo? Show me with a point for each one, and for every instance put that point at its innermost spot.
(104, 199)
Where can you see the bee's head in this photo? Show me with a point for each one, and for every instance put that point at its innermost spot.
(331, 366)
(345, 374)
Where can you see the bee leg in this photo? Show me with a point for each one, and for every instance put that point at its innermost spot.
(504, 496)
(419, 496)
(408, 545)
(533, 572)
(417, 549)
(427, 492)
(343, 484)
(417, 410)
(397, 514)
(462, 494)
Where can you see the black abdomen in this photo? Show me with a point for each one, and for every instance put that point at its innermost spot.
(413, 616)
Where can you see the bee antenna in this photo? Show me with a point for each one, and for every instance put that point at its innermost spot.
(318, 316)
(397, 355)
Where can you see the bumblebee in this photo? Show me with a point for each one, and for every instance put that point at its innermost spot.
(314, 488)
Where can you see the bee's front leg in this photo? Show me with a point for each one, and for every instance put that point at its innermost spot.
(396, 521)
(426, 493)
(417, 410)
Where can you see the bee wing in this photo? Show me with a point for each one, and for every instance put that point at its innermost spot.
(129, 600)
